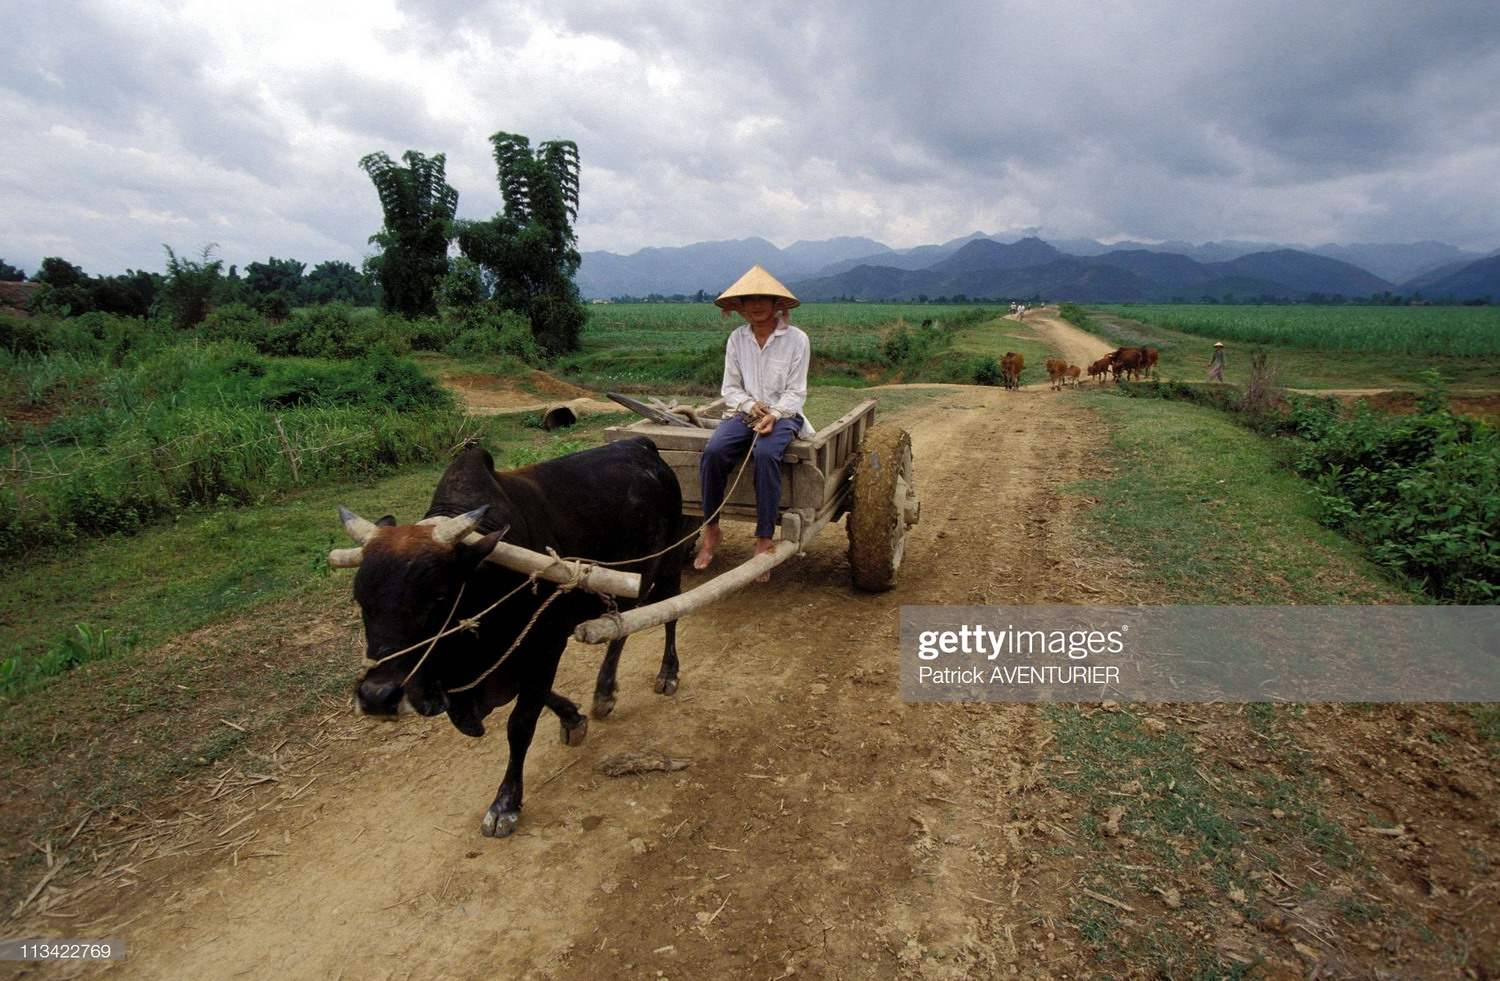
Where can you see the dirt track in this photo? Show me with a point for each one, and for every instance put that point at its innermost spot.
(821, 822)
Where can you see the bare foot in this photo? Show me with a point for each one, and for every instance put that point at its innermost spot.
(763, 545)
(711, 536)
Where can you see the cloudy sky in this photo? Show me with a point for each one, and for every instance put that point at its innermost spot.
(130, 124)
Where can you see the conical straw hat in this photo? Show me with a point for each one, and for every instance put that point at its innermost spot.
(757, 282)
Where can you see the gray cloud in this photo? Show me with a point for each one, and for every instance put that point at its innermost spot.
(1344, 120)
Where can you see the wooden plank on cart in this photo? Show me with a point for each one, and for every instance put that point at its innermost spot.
(611, 627)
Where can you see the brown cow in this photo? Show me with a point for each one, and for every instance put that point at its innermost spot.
(1151, 355)
(1072, 373)
(1127, 361)
(1057, 371)
(1010, 369)
(1100, 369)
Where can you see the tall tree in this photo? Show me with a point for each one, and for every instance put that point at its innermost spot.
(419, 206)
(192, 287)
(529, 248)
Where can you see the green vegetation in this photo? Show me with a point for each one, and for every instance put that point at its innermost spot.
(1198, 500)
(112, 425)
(419, 205)
(1421, 492)
(77, 647)
(529, 251)
(1299, 365)
(1417, 491)
(1445, 331)
(679, 347)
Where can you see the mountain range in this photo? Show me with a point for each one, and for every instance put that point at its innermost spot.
(1081, 270)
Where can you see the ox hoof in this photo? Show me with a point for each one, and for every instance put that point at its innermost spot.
(666, 686)
(603, 706)
(499, 824)
(574, 735)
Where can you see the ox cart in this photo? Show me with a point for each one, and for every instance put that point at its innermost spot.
(852, 467)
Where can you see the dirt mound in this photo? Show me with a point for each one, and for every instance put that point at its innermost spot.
(491, 394)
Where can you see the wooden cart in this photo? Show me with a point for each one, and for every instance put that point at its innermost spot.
(850, 467)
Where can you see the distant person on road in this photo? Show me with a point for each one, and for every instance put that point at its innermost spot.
(1216, 365)
(765, 383)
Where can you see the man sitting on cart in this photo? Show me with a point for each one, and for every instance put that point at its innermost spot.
(765, 383)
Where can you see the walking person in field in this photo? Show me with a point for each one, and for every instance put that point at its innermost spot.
(1216, 364)
(765, 383)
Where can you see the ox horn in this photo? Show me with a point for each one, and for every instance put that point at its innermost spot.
(452, 530)
(358, 528)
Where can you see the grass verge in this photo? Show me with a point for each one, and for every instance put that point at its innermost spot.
(1258, 840)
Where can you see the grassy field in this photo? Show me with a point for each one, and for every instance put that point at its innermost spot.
(639, 346)
(1440, 331)
(1317, 347)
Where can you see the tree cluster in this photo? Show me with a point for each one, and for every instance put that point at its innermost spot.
(522, 260)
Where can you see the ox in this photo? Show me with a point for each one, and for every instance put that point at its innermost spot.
(611, 504)
(1010, 369)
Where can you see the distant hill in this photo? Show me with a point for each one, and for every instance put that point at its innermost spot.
(999, 272)
(708, 266)
(1398, 263)
(1473, 281)
(979, 265)
(987, 254)
(1305, 272)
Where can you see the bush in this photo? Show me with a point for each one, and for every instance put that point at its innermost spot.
(493, 334)
(986, 371)
(24, 335)
(1421, 492)
(426, 333)
(201, 425)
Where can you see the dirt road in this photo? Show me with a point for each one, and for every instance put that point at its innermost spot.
(821, 821)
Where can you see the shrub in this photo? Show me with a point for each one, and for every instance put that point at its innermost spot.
(1421, 492)
(24, 335)
(986, 371)
(426, 333)
(492, 333)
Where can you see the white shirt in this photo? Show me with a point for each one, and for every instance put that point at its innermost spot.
(775, 374)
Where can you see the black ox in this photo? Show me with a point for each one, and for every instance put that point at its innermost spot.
(616, 502)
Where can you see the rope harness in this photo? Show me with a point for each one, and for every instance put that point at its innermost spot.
(580, 576)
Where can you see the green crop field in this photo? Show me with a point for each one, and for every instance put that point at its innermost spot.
(1441, 331)
(676, 325)
(682, 344)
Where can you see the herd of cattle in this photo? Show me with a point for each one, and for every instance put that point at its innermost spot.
(1130, 362)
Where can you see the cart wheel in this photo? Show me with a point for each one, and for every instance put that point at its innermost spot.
(883, 507)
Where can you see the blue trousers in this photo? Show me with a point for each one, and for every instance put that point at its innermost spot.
(723, 452)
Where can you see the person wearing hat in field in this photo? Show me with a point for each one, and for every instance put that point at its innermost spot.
(1216, 365)
(765, 383)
